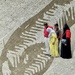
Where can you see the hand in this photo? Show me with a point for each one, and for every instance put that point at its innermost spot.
(53, 43)
(65, 44)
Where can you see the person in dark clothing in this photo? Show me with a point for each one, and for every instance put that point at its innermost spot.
(66, 43)
(58, 32)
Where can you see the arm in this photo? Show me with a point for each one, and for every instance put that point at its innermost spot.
(60, 35)
(54, 38)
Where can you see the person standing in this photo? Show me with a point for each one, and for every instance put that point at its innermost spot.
(46, 33)
(53, 42)
(66, 43)
(58, 32)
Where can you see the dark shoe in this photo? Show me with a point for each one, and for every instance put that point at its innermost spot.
(48, 54)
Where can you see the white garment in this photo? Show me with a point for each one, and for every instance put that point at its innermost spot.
(47, 45)
(51, 31)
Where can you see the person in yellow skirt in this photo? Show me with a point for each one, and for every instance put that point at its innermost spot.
(53, 43)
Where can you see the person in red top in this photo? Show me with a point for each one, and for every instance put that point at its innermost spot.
(66, 42)
(46, 33)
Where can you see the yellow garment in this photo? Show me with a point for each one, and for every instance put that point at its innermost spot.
(53, 48)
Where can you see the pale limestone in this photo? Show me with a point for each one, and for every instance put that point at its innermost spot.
(14, 13)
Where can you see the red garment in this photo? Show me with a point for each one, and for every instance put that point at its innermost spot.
(45, 31)
(68, 34)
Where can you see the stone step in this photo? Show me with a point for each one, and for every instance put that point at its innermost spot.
(35, 68)
(42, 20)
(36, 28)
(39, 23)
(28, 35)
(33, 39)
